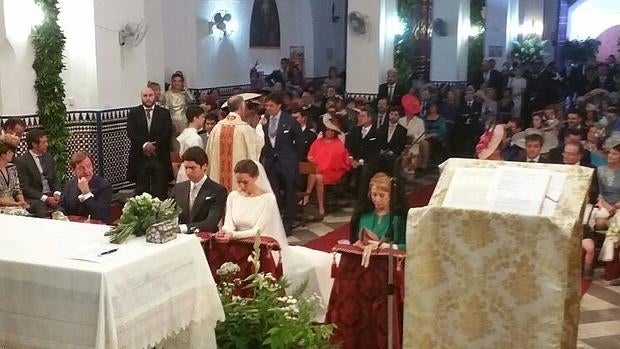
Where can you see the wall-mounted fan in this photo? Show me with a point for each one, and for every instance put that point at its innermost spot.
(134, 32)
(358, 22)
(219, 21)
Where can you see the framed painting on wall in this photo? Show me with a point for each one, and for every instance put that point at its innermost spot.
(296, 59)
(265, 24)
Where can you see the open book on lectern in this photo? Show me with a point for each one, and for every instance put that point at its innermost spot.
(506, 189)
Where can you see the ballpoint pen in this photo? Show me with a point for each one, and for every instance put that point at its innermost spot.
(107, 252)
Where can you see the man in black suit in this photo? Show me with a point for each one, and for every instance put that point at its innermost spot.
(392, 89)
(382, 112)
(533, 147)
(490, 77)
(364, 143)
(283, 148)
(314, 112)
(149, 129)
(37, 175)
(279, 75)
(468, 127)
(308, 133)
(202, 201)
(86, 194)
(394, 134)
(572, 135)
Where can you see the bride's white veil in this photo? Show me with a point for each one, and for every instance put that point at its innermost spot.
(275, 219)
(262, 181)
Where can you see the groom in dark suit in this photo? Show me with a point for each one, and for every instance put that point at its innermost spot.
(149, 129)
(37, 175)
(86, 194)
(202, 201)
(284, 146)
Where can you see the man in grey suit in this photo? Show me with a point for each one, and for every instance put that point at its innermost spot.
(37, 175)
(202, 201)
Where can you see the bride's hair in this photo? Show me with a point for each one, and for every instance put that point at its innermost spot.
(248, 167)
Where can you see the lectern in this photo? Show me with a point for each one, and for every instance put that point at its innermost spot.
(494, 260)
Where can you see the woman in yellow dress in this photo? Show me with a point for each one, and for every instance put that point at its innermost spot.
(176, 100)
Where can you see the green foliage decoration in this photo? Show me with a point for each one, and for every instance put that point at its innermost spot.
(48, 41)
(403, 44)
(528, 49)
(581, 51)
(475, 53)
(271, 318)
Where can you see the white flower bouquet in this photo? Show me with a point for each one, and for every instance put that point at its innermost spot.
(139, 213)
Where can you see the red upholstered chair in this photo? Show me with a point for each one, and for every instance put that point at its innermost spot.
(358, 302)
(238, 251)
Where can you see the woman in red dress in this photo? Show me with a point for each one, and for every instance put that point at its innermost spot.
(331, 159)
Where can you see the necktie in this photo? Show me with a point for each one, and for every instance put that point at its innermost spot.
(44, 182)
(149, 118)
(380, 121)
(192, 195)
(273, 127)
(391, 92)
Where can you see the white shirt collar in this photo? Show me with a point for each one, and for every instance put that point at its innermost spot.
(151, 108)
(536, 159)
(200, 183)
(34, 155)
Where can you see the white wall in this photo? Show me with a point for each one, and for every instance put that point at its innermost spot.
(369, 56)
(329, 43)
(449, 53)
(17, 94)
(589, 18)
(179, 38)
(121, 71)
(232, 55)
(77, 18)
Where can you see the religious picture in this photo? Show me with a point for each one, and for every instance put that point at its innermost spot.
(496, 51)
(296, 59)
(265, 25)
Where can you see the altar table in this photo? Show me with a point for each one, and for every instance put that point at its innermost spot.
(136, 297)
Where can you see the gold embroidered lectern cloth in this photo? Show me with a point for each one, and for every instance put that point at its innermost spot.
(477, 279)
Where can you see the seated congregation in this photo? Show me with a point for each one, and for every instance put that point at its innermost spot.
(249, 166)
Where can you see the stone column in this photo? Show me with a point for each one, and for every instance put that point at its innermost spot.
(370, 55)
(449, 52)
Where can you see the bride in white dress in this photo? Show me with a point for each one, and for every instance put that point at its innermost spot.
(253, 208)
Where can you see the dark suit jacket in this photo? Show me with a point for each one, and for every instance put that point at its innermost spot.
(98, 206)
(289, 145)
(544, 158)
(209, 205)
(555, 156)
(160, 132)
(275, 76)
(496, 81)
(398, 141)
(399, 91)
(308, 136)
(367, 148)
(30, 177)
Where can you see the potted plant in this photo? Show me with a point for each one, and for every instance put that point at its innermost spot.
(582, 51)
(269, 319)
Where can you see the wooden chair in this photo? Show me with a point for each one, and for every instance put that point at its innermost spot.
(306, 168)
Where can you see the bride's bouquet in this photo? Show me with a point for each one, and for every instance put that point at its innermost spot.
(140, 213)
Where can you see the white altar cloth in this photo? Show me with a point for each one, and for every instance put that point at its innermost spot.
(133, 300)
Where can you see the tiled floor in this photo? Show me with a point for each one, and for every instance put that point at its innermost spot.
(600, 308)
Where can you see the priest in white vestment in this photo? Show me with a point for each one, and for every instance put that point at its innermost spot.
(233, 140)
